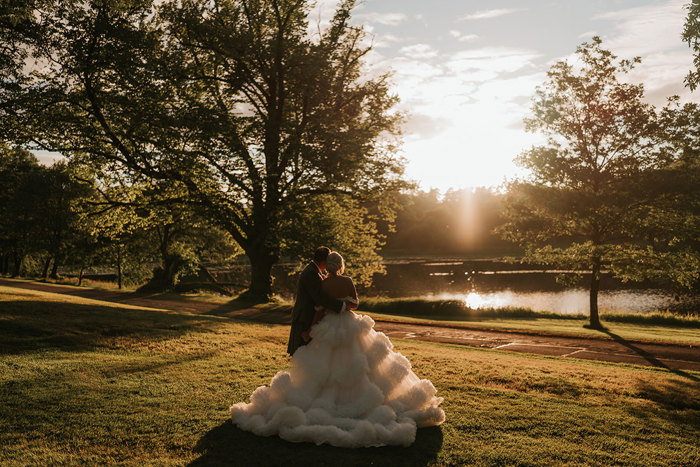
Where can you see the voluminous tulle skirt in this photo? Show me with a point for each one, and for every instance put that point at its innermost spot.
(346, 388)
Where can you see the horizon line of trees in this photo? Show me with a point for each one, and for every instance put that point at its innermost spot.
(61, 219)
(69, 224)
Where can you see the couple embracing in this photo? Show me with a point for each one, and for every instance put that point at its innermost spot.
(346, 386)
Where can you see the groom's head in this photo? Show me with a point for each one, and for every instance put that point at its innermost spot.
(320, 257)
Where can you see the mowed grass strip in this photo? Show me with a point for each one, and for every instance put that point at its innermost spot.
(91, 382)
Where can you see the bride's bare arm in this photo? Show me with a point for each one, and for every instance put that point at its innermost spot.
(352, 292)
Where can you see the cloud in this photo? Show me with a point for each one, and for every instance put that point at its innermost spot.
(418, 51)
(465, 104)
(387, 19)
(646, 29)
(488, 14)
(426, 126)
(653, 33)
(461, 37)
(489, 62)
(48, 157)
(464, 111)
(320, 16)
(385, 40)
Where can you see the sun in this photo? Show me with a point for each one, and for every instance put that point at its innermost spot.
(474, 301)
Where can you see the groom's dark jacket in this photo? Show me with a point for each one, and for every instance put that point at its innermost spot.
(309, 294)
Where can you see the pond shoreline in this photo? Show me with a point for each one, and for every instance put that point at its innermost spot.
(485, 282)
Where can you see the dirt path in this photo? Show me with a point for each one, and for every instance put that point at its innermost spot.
(610, 349)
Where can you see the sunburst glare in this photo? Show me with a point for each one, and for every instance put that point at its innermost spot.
(474, 301)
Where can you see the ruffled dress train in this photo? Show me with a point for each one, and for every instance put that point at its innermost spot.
(346, 388)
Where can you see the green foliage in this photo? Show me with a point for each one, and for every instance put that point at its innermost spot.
(437, 309)
(460, 221)
(39, 206)
(457, 310)
(662, 318)
(341, 224)
(19, 203)
(232, 99)
(154, 229)
(604, 190)
(691, 35)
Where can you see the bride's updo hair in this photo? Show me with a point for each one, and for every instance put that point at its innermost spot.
(335, 263)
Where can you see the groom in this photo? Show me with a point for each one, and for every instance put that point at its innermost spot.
(310, 294)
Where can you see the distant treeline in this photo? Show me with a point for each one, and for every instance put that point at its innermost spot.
(456, 222)
(58, 218)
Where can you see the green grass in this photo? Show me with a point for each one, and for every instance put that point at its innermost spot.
(73, 282)
(91, 382)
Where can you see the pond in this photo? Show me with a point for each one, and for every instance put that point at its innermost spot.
(491, 283)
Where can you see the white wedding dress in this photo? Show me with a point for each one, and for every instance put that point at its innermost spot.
(346, 388)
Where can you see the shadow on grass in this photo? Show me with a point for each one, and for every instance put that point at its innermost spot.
(254, 310)
(227, 444)
(647, 356)
(28, 326)
(672, 394)
(676, 405)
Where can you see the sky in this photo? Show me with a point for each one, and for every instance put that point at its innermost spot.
(466, 71)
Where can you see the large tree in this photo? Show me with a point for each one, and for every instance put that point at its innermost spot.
(235, 99)
(588, 192)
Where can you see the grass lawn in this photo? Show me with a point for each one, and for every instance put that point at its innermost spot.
(91, 382)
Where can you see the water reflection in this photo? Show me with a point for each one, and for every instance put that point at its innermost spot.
(475, 301)
(571, 301)
(492, 283)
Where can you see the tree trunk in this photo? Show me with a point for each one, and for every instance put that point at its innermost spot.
(80, 276)
(5, 264)
(119, 266)
(169, 269)
(261, 263)
(168, 261)
(595, 286)
(17, 264)
(54, 269)
(45, 271)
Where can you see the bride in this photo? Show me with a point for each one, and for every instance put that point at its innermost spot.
(346, 388)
